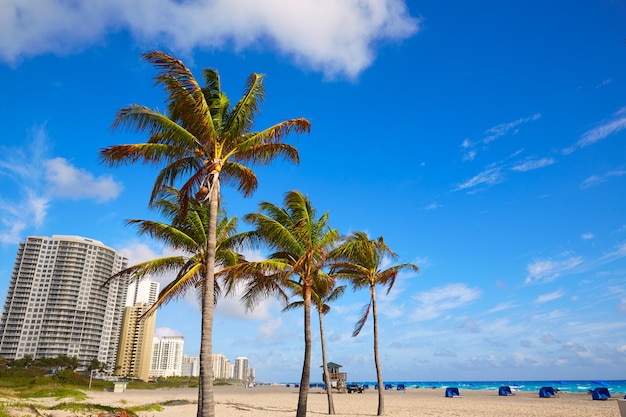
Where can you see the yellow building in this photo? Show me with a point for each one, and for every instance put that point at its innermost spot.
(135, 347)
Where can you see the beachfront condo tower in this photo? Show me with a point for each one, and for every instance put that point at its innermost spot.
(60, 303)
(241, 369)
(135, 347)
(167, 356)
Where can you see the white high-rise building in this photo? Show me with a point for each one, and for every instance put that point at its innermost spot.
(219, 366)
(191, 365)
(241, 369)
(144, 291)
(167, 356)
(60, 303)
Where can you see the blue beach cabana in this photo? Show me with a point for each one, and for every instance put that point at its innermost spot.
(547, 392)
(400, 387)
(504, 390)
(452, 392)
(600, 393)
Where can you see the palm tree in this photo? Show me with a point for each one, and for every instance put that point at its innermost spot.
(301, 243)
(200, 142)
(359, 259)
(323, 292)
(189, 237)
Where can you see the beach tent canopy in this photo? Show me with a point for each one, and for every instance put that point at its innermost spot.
(400, 387)
(600, 393)
(547, 392)
(452, 392)
(504, 390)
(388, 386)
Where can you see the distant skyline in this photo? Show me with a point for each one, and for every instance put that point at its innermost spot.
(485, 141)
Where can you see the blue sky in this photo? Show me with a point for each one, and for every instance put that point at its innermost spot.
(484, 141)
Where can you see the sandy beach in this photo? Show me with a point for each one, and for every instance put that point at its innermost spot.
(266, 401)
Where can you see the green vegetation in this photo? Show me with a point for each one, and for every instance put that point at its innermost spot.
(89, 408)
(53, 391)
(3, 410)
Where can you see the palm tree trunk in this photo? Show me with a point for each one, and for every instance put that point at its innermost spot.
(329, 391)
(305, 380)
(379, 372)
(206, 404)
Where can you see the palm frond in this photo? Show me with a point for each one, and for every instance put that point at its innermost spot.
(241, 117)
(240, 176)
(359, 324)
(176, 288)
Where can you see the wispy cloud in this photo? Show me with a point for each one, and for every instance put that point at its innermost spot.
(618, 253)
(597, 179)
(432, 206)
(25, 203)
(489, 176)
(439, 301)
(547, 270)
(615, 124)
(502, 307)
(544, 298)
(587, 236)
(500, 130)
(469, 148)
(532, 164)
(604, 82)
(327, 35)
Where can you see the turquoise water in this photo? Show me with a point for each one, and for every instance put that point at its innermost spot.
(614, 386)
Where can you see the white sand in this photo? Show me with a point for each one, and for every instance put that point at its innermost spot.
(235, 401)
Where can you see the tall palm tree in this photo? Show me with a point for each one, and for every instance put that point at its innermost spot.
(200, 142)
(188, 236)
(300, 243)
(323, 292)
(359, 259)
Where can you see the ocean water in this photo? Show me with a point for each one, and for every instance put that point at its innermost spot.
(614, 386)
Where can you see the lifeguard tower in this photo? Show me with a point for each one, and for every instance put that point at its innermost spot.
(337, 379)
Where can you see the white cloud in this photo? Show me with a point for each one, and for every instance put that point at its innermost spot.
(489, 176)
(165, 331)
(502, 307)
(618, 253)
(597, 179)
(547, 270)
(65, 180)
(445, 353)
(616, 124)
(439, 301)
(500, 130)
(533, 164)
(588, 236)
(493, 133)
(269, 330)
(336, 37)
(544, 298)
(25, 202)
